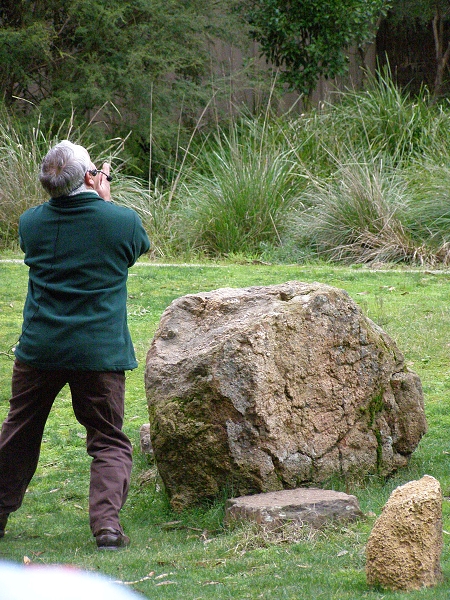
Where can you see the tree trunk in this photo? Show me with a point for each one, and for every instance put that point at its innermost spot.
(442, 57)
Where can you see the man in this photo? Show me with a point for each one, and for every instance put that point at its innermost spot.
(78, 247)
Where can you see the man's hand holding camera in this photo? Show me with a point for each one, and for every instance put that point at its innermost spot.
(100, 180)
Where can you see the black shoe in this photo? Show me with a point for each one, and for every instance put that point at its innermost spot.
(3, 521)
(111, 539)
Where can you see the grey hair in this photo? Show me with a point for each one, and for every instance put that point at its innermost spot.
(63, 169)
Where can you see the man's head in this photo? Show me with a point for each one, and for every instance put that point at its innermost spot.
(63, 170)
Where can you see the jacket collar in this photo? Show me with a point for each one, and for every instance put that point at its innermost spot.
(75, 200)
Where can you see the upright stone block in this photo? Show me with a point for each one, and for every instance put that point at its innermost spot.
(404, 548)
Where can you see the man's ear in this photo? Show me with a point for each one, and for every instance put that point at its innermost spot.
(89, 180)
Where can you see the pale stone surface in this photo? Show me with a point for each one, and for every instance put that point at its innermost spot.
(145, 439)
(304, 505)
(277, 387)
(404, 548)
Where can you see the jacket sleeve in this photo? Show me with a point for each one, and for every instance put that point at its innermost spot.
(140, 242)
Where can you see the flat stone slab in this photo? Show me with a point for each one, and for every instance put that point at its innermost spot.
(306, 505)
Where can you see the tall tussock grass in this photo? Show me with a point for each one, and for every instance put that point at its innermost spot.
(356, 215)
(20, 155)
(362, 178)
(157, 208)
(22, 150)
(385, 120)
(378, 182)
(241, 192)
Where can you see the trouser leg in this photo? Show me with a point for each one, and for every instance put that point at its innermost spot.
(98, 403)
(33, 394)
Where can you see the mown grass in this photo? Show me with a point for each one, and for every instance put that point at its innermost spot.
(190, 554)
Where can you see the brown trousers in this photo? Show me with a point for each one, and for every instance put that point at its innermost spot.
(98, 404)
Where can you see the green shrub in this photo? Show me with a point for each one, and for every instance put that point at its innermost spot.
(358, 215)
(378, 179)
(383, 120)
(242, 191)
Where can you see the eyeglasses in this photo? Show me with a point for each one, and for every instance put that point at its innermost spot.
(95, 172)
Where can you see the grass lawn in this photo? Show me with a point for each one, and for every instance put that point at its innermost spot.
(191, 555)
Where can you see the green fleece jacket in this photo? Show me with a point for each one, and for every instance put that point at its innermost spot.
(78, 250)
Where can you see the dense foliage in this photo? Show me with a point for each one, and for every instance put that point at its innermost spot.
(141, 65)
(309, 39)
(363, 179)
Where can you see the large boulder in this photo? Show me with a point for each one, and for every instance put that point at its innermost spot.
(404, 548)
(267, 388)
